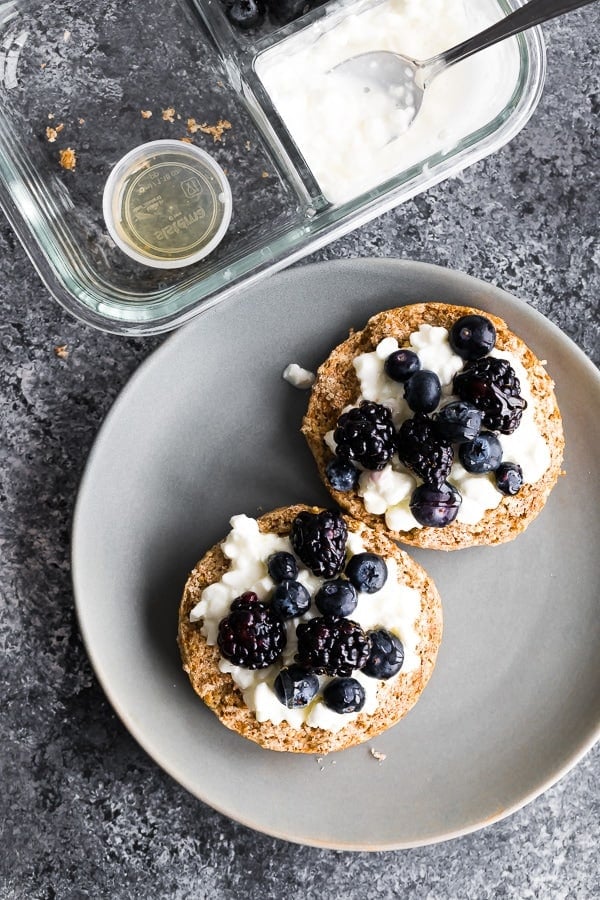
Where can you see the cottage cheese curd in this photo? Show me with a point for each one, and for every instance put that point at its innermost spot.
(346, 135)
(388, 492)
(395, 607)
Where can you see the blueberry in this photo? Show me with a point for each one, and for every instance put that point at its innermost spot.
(282, 566)
(435, 507)
(422, 391)
(342, 475)
(367, 572)
(344, 695)
(509, 478)
(336, 598)
(458, 421)
(386, 656)
(284, 11)
(290, 599)
(295, 687)
(401, 364)
(482, 454)
(472, 337)
(245, 14)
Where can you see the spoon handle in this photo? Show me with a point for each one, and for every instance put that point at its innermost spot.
(533, 13)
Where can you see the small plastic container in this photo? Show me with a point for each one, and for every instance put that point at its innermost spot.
(167, 204)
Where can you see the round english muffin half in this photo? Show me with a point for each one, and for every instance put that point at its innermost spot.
(412, 610)
(486, 515)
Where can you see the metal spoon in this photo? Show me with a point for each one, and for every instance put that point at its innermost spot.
(407, 79)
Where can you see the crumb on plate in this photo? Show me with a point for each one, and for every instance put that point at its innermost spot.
(52, 133)
(62, 351)
(146, 113)
(168, 114)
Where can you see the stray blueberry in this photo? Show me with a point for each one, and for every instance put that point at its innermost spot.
(386, 656)
(367, 572)
(509, 478)
(295, 687)
(423, 391)
(401, 364)
(342, 475)
(482, 454)
(435, 507)
(472, 337)
(282, 566)
(336, 598)
(290, 599)
(344, 695)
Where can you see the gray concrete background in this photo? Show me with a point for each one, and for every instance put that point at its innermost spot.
(83, 811)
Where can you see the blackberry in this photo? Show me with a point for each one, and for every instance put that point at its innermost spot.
(422, 449)
(491, 385)
(252, 635)
(332, 646)
(365, 434)
(319, 539)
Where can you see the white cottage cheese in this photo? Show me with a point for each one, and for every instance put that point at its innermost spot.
(396, 607)
(346, 135)
(388, 492)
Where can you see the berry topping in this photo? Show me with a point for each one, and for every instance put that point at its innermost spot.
(386, 656)
(459, 421)
(482, 454)
(252, 635)
(491, 385)
(509, 478)
(295, 687)
(365, 435)
(423, 450)
(367, 572)
(435, 507)
(342, 475)
(472, 337)
(336, 598)
(245, 14)
(290, 599)
(401, 364)
(344, 695)
(282, 566)
(423, 391)
(319, 539)
(332, 646)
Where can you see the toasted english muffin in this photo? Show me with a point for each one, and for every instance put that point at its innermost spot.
(337, 387)
(416, 599)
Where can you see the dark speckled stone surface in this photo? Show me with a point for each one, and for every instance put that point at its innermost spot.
(83, 811)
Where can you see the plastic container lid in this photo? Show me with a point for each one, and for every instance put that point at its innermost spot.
(167, 204)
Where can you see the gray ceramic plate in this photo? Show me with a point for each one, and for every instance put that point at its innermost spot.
(207, 428)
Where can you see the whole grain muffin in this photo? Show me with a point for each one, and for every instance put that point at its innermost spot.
(437, 425)
(308, 678)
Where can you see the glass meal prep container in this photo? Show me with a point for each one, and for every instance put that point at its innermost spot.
(82, 85)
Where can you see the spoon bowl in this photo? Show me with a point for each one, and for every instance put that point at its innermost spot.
(405, 79)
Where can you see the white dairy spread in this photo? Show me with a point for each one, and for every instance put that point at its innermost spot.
(298, 377)
(347, 135)
(395, 607)
(388, 492)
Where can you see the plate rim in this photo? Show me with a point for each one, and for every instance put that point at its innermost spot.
(152, 360)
